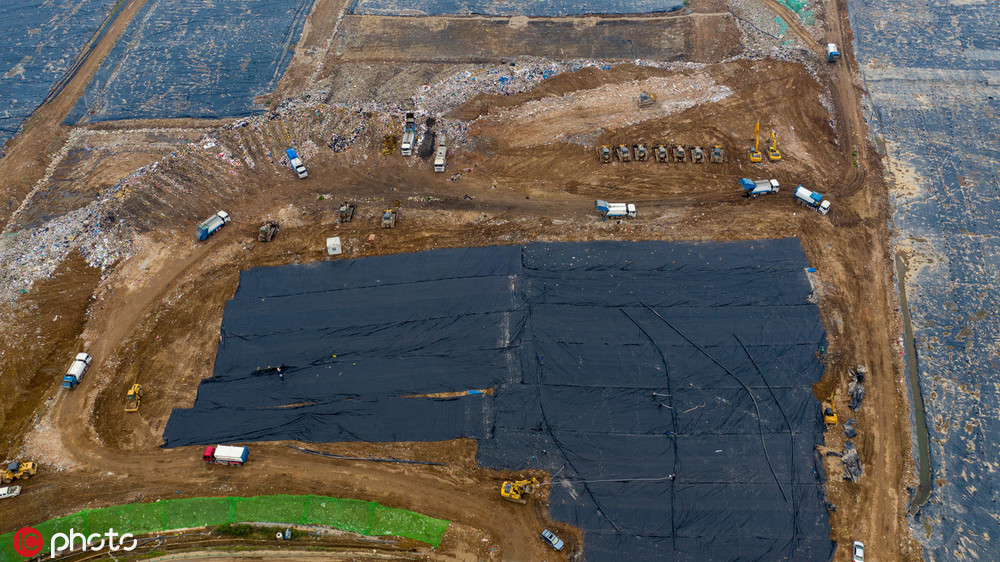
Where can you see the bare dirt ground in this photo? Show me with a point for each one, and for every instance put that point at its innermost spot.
(529, 172)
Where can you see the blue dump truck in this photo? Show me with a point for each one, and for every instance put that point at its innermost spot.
(760, 187)
(76, 370)
(211, 225)
(296, 163)
(832, 54)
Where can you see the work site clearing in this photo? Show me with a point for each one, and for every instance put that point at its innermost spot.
(99, 253)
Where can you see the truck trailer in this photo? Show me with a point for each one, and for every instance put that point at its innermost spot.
(211, 225)
(76, 370)
(226, 454)
(753, 188)
(812, 199)
(296, 163)
(409, 135)
(615, 210)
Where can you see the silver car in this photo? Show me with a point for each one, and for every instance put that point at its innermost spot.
(858, 552)
(553, 541)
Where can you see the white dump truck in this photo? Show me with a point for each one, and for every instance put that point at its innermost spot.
(225, 454)
(409, 135)
(615, 210)
(75, 373)
(812, 199)
(753, 188)
(440, 157)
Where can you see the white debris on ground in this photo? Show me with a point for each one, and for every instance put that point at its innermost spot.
(105, 239)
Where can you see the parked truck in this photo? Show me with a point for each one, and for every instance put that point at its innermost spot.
(211, 225)
(440, 157)
(759, 187)
(296, 163)
(76, 370)
(615, 210)
(225, 454)
(409, 135)
(832, 54)
(812, 199)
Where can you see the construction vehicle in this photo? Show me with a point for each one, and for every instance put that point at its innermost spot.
(296, 163)
(640, 152)
(267, 231)
(441, 156)
(211, 225)
(772, 151)
(623, 153)
(347, 211)
(759, 187)
(514, 491)
(604, 153)
(679, 153)
(812, 199)
(829, 412)
(133, 398)
(832, 54)
(389, 219)
(647, 100)
(79, 366)
(225, 454)
(614, 210)
(755, 155)
(697, 155)
(409, 135)
(718, 154)
(18, 470)
(660, 153)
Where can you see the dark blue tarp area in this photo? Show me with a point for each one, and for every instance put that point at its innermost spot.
(41, 41)
(667, 387)
(933, 71)
(535, 8)
(198, 58)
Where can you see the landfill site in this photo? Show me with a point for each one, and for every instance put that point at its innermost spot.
(660, 280)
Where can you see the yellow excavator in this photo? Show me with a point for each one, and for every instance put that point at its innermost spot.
(133, 398)
(829, 412)
(755, 155)
(772, 151)
(18, 470)
(514, 491)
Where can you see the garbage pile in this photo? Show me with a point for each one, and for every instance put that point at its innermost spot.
(852, 462)
(849, 428)
(855, 388)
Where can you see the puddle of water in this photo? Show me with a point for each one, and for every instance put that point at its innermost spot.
(916, 398)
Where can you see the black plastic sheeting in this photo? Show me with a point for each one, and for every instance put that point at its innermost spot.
(198, 58)
(41, 41)
(667, 387)
(933, 73)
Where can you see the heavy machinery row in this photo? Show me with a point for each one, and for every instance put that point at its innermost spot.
(662, 153)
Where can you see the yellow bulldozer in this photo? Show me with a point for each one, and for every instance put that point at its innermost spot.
(18, 470)
(133, 398)
(516, 490)
(829, 412)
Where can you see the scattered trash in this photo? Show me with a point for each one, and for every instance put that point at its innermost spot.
(852, 462)
(849, 428)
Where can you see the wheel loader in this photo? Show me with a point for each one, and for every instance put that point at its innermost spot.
(18, 470)
(660, 153)
(718, 154)
(347, 211)
(623, 153)
(516, 490)
(640, 152)
(679, 153)
(697, 155)
(133, 398)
